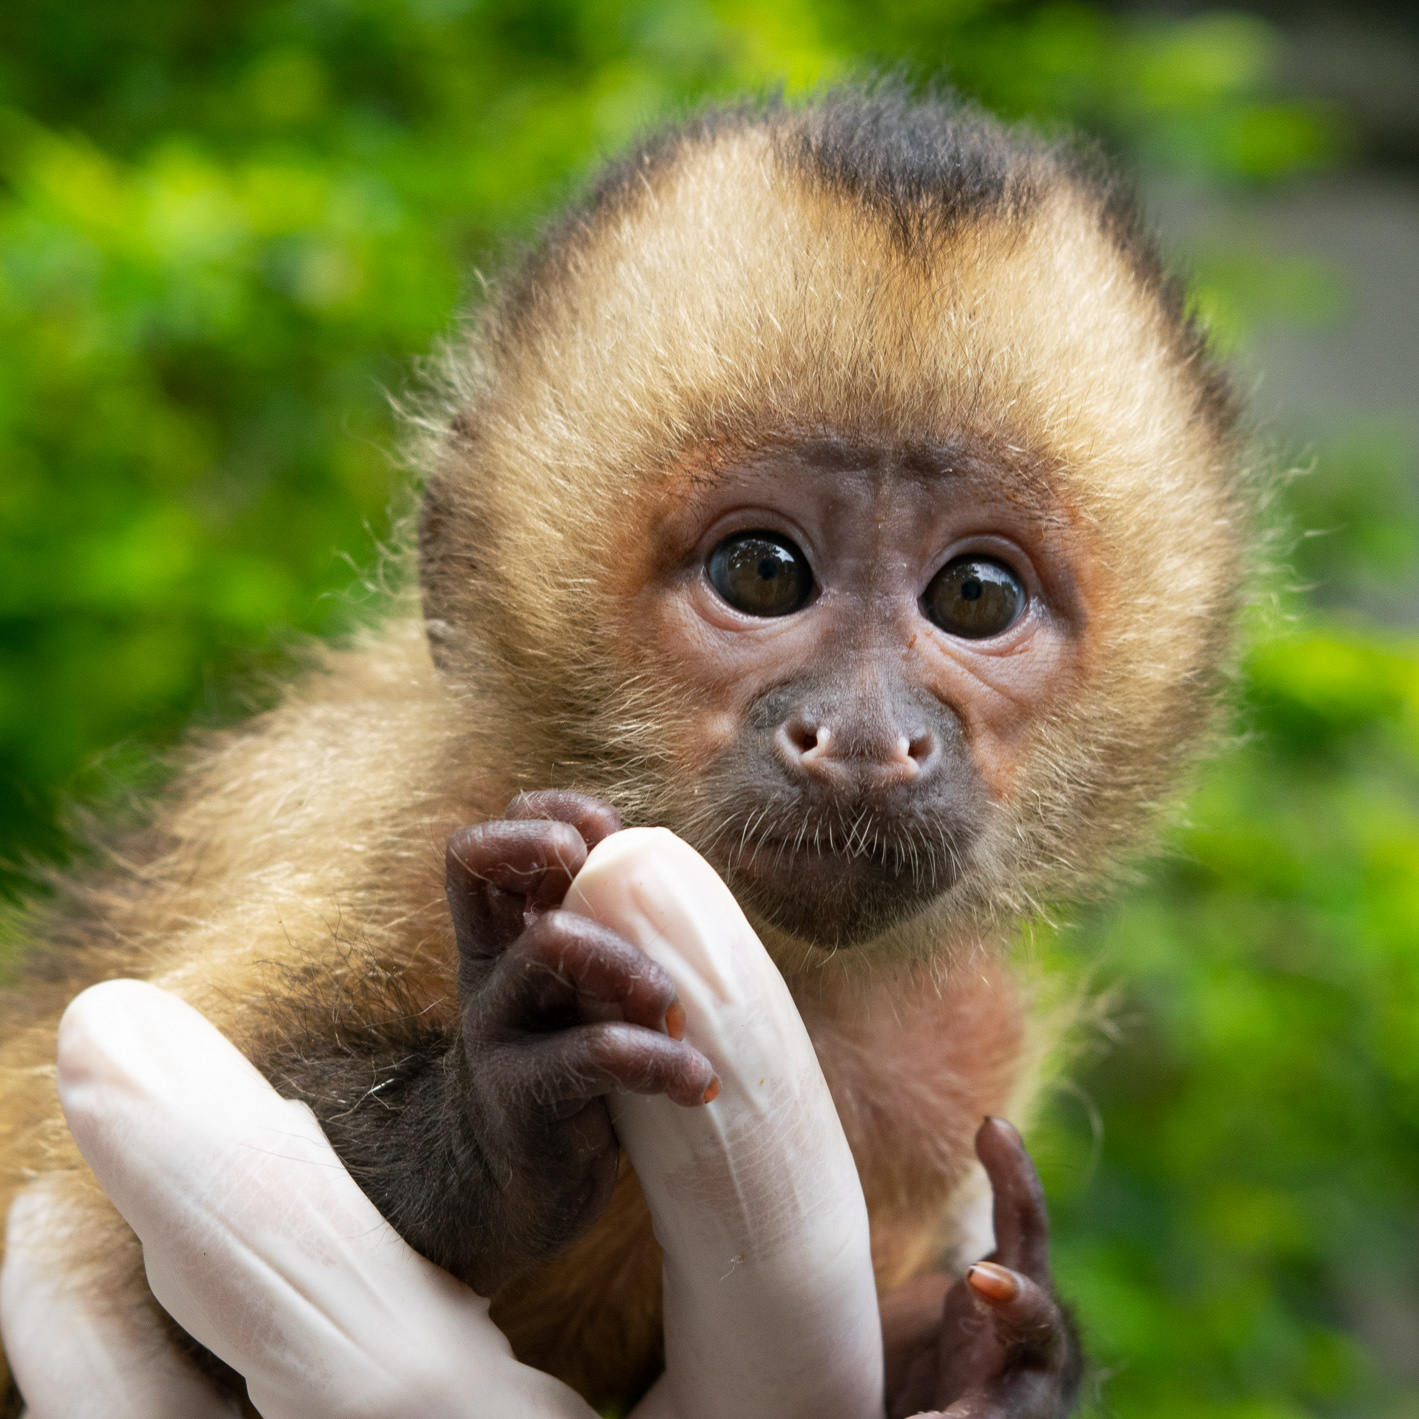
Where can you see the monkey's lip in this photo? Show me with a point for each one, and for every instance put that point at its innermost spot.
(833, 897)
(778, 858)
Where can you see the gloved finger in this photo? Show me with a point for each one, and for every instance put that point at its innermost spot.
(257, 1240)
(71, 1349)
(770, 1305)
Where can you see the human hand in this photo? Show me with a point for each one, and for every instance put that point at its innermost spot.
(260, 1244)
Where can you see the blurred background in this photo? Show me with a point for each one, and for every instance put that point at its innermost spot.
(227, 229)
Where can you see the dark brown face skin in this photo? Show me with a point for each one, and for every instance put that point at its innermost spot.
(847, 753)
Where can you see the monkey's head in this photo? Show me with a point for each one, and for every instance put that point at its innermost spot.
(845, 488)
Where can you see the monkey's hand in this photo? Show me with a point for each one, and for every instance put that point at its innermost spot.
(557, 1011)
(1001, 1346)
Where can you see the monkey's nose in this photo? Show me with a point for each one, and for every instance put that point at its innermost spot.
(889, 758)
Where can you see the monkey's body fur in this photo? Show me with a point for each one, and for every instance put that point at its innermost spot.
(865, 273)
(353, 951)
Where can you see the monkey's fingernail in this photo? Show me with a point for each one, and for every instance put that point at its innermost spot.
(992, 1283)
(712, 1093)
(675, 1020)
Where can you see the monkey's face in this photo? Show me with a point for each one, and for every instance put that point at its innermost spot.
(867, 512)
(864, 639)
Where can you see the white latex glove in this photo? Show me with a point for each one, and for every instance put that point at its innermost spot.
(770, 1304)
(260, 1244)
(73, 1356)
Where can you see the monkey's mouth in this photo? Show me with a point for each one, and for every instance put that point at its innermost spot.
(837, 891)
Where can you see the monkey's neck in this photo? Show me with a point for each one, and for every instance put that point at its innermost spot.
(915, 1059)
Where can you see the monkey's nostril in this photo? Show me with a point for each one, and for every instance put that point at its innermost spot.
(807, 748)
(803, 738)
(921, 748)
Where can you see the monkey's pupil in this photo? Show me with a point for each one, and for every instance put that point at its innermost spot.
(761, 574)
(974, 597)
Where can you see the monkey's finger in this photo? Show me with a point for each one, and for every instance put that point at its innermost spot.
(495, 873)
(564, 958)
(1020, 1215)
(1028, 1322)
(588, 1061)
(535, 858)
(592, 818)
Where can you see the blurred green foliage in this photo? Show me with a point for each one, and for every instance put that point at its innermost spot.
(1247, 1241)
(225, 229)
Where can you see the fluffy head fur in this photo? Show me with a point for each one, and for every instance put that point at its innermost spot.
(888, 270)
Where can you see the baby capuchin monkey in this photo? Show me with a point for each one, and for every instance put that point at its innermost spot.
(840, 485)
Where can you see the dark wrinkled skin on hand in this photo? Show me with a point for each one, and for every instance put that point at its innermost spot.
(538, 1053)
(952, 1352)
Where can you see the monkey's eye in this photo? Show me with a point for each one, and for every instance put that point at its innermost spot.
(974, 598)
(761, 574)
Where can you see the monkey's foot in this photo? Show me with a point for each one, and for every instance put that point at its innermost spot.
(997, 1344)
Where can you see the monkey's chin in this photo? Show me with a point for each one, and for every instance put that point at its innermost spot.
(830, 900)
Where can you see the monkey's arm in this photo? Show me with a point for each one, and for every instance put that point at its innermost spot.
(996, 1344)
(494, 1150)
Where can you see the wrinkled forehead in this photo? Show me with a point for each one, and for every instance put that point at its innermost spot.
(827, 464)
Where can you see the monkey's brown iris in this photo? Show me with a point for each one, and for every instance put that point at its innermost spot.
(974, 597)
(761, 574)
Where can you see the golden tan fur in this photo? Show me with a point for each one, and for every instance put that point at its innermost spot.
(726, 288)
